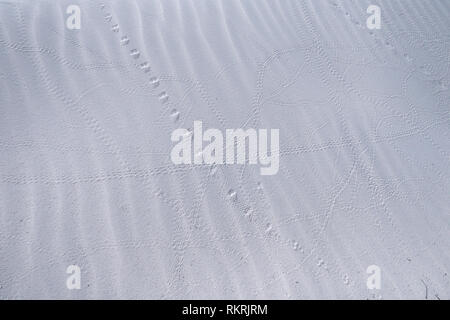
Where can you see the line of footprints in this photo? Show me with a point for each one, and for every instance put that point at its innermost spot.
(134, 53)
(164, 97)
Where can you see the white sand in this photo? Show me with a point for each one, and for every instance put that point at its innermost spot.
(86, 178)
